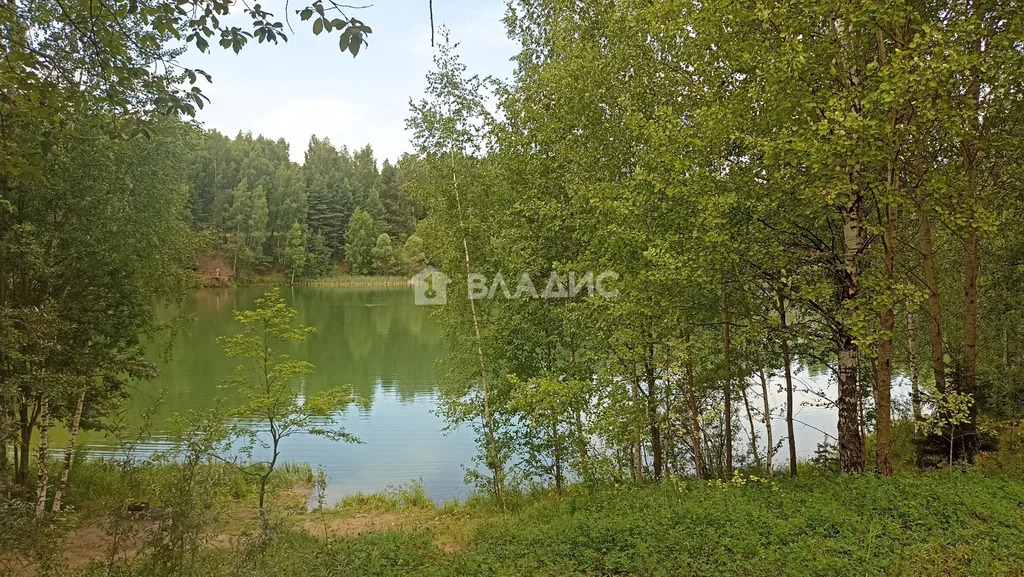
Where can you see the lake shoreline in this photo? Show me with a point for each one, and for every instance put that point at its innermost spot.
(584, 529)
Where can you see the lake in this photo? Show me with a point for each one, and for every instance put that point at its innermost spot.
(374, 339)
(383, 345)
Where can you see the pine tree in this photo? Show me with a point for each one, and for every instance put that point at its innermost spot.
(399, 209)
(329, 198)
(319, 263)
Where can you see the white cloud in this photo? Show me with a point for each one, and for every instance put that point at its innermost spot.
(296, 118)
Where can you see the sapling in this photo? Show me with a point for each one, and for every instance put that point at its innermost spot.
(272, 410)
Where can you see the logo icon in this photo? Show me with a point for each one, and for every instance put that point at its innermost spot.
(430, 287)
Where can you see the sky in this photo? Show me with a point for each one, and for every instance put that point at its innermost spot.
(307, 86)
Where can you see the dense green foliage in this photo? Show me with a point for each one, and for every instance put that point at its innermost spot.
(247, 196)
(772, 185)
(767, 187)
(84, 253)
(920, 525)
(73, 67)
(94, 201)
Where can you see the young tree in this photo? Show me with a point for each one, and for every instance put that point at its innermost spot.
(265, 380)
(295, 255)
(386, 257)
(415, 254)
(359, 243)
(450, 131)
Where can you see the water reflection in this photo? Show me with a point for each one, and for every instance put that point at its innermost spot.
(374, 339)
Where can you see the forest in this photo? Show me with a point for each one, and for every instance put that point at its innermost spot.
(803, 204)
(829, 187)
(262, 212)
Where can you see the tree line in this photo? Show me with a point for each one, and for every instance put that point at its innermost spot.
(821, 186)
(265, 212)
(95, 201)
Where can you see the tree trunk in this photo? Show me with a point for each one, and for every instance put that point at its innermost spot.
(915, 387)
(934, 302)
(265, 478)
(494, 461)
(27, 421)
(557, 454)
(43, 470)
(972, 242)
(863, 421)
(882, 367)
(750, 419)
(694, 420)
(69, 453)
(727, 388)
(767, 416)
(851, 459)
(652, 413)
(668, 432)
(638, 451)
(582, 440)
(787, 367)
(883, 353)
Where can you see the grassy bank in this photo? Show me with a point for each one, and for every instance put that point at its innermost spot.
(340, 280)
(923, 524)
(356, 280)
(817, 524)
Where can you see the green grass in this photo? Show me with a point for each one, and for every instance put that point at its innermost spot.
(817, 524)
(931, 524)
(338, 280)
(356, 280)
(411, 496)
(97, 486)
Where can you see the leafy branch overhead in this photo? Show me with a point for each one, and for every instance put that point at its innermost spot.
(122, 59)
(352, 31)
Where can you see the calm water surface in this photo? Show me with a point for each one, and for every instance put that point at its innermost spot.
(374, 339)
(384, 346)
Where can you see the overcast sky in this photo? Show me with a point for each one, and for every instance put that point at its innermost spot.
(307, 86)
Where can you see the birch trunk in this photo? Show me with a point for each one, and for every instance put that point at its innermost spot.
(851, 458)
(652, 414)
(727, 389)
(767, 416)
(493, 455)
(69, 454)
(753, 433)
(43, 459)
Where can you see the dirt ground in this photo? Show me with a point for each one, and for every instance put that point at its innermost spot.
(93, 540)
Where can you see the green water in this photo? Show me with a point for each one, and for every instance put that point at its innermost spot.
(374, 339)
